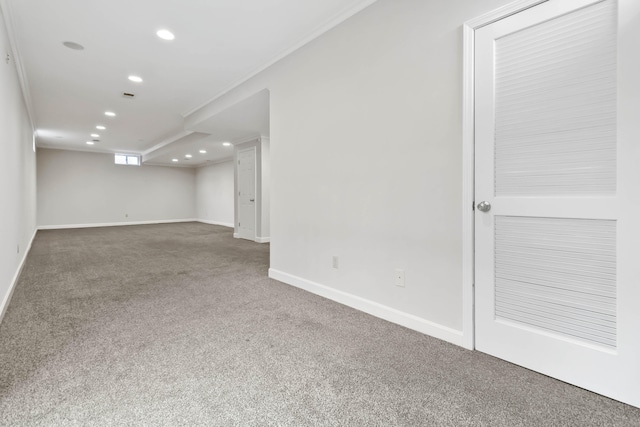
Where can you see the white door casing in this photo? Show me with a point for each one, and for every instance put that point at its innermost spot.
(555, 278)
(247, 193)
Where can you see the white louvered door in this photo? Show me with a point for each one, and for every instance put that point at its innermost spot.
(550, 278)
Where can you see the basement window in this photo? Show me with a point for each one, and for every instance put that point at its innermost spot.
(127, 159)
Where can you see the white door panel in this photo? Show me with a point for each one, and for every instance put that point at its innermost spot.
(552, 254)
(247, 194)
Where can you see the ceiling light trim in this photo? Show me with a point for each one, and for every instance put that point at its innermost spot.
(320, 30)
(165, 34)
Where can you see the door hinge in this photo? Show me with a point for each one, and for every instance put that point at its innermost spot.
(473, 205)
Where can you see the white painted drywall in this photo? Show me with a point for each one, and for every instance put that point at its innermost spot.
(80, 188)
(366, 159)
(214, 193)
(17, 174)
(265, 192)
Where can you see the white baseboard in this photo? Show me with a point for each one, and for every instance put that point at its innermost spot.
(14, 281)
(257, 239)
(224, 224)
(113, 224)
(375, 309)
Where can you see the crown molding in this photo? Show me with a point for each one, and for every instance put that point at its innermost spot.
(328, 25)
(89, 150)
(252, 138)
(7, 14)
(215, 162)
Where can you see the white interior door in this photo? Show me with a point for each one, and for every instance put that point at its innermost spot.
(555, 271)
(247, 193)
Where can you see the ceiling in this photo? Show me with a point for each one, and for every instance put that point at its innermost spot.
(218, 44)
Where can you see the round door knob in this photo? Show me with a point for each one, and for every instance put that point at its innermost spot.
(484, 206)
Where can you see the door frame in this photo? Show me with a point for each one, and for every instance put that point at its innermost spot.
(256, 190)
(261, 144)
(468, 160)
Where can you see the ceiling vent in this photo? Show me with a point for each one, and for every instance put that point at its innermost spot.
(127, 95)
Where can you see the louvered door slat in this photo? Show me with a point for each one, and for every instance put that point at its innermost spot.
(564, 283)
(555, 87)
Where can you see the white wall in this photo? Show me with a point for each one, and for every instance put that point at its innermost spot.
(78, 188)
(265, 196)
(17, 175)
(366, 161)
(215, 194)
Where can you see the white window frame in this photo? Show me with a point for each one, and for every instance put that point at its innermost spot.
(130, 159)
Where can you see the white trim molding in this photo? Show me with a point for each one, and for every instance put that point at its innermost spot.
(468, 158)
(7, 12)
(314, 34)
(114, 224)
(224, 224)
(262, 239)
(16, 276)
(167, 141)
(373, 308)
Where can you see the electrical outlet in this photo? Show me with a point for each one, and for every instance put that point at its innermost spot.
(399, 277)
(335, 262)
(126, 215)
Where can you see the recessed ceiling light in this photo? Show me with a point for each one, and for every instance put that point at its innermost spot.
(100, 127)
(188, 156)
(226, 144)
(135, 79)
(90, 142)
(203, 151)
(95, 135)
(109, 113)
(165, 35)
(174, 160)
(73, 45)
